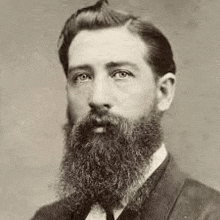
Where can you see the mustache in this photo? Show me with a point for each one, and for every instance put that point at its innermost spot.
(115, 128)
(101, 118)
(104, 120)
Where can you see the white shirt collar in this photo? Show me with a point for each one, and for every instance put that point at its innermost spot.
(156, 160)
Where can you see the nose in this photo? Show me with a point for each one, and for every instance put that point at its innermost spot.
(101, 96)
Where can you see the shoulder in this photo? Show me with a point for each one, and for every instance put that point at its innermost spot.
(55, 211)
(198, 192)
(195, 189)
(198, 200)
(190, 189)
(184, 197)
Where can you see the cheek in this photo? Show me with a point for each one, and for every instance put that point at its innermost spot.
(78, 103)
(138, 102)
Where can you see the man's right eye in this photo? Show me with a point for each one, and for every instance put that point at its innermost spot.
(82, 77)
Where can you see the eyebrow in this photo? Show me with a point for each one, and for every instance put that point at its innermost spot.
(109, 65)
(121, 63)
(80, 67)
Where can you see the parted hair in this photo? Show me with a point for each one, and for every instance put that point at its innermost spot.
(101, 16)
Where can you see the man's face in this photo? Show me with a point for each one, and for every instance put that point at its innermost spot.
(114, 119)
(107, 69)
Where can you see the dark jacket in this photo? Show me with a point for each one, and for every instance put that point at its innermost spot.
(175, 197)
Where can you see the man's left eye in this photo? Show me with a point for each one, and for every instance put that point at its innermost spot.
(121, 74)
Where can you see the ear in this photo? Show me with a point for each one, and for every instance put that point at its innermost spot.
(165, 91)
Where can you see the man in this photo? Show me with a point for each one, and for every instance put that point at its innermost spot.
(120, 80)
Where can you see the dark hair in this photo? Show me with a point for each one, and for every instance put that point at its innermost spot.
(100, 16)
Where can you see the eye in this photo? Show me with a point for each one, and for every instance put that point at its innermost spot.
(121, 74)
(82, 77)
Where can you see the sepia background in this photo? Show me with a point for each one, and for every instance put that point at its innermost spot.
(33, 99)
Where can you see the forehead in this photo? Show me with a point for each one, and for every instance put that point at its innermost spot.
(112, 44)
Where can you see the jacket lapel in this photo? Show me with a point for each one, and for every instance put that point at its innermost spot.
(163, 197)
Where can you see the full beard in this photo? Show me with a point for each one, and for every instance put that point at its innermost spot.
(102, 167)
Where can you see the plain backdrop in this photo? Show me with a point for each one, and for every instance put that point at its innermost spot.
(33, 99)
